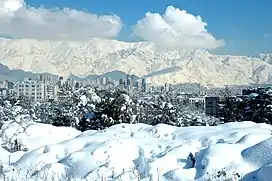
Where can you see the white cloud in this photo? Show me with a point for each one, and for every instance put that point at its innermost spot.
(175, 29)
(19, 20)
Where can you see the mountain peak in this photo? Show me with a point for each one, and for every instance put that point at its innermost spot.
(99, 56)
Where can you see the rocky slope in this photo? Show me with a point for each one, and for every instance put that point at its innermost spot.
(99, 56)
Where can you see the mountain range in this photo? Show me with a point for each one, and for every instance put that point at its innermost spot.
(101, 56)
(18, 75)
(13, 75)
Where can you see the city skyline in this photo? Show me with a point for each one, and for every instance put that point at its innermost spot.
(47, 87)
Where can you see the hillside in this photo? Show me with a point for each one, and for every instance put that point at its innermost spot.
(99, 56)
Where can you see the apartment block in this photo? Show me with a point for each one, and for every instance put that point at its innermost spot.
(32, 89)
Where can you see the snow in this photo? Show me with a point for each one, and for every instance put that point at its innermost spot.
(166, 105)
(265, 173)
(139, 152)
(253, 95)
(34, 135)
(97, 56)
(83, 100)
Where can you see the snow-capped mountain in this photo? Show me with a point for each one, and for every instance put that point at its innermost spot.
(267, 57)
(99, 56)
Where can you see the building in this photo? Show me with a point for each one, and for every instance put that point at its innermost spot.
(128, 82)
(41, 90)
(6, 88)
(108, 80)
(103, 81)
(132, 83)
(50, 86)
(184, 97)
(50, 92)
(166, 87)
(4, 92)
(137, 85)
(45, 78)
(34, 90)
(69, 82)
(121, 83)
(7, 84)
(197, 102)
(144, 85)
(115, 82)
(213, 106)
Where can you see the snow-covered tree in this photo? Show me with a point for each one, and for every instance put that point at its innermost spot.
(256, 106)
(98, 108)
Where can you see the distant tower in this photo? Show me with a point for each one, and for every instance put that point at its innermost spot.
(108, 80)
(97, 81)
(166, 87)
(144, 85)
(137, 85)
(42, 78)
(49, 78)
(104, 81)
(122, 83)
(132, 82)
(128, 82)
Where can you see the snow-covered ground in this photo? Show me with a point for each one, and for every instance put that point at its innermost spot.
(138, 152)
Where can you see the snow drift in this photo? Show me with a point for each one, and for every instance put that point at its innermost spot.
(140, 152)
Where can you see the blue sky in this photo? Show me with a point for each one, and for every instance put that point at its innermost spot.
(245, 25)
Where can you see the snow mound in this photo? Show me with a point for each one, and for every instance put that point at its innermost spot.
(144, 152)
(34, 135)
(259, 154)
(4, 154)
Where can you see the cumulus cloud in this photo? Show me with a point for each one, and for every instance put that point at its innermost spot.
(19, 20)
(175, 29)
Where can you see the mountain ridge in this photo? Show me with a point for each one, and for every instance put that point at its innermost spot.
(19, 75)
(99, 56)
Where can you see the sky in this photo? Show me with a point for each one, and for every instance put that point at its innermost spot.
(233, 27)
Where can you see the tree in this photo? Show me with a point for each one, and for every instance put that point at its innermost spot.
(256, 106)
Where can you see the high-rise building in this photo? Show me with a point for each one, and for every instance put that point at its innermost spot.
(213, 106)
(115, 82)
(122, 83)
(3, 92)
(108, 80)
(6, 88)
(132, 83)
(137, 85)
(103, 81)
(7, 84)
(50, 91)
(41, 78)
(128, 82)
(144, 85)
(166, 87)
(70, 82)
